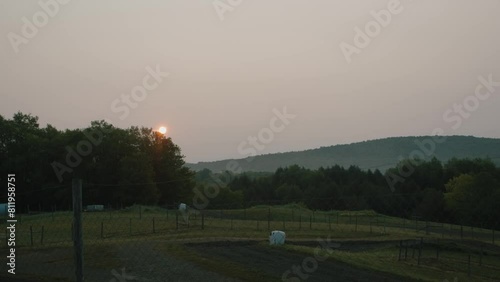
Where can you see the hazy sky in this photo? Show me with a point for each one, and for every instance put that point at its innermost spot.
(228, 70)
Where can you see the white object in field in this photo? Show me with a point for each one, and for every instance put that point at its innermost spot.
(95, 208)
(277, 237)
(183, 209)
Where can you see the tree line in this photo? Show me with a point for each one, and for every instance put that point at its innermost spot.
(462, 191)
(119, 167)
(137, 165)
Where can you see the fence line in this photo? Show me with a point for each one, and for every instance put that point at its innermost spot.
(63, 228)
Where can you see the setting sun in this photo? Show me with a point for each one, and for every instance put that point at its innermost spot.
(162, 130)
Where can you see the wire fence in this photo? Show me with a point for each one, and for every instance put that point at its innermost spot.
(135, 243)
(472, 257)
(56, 227)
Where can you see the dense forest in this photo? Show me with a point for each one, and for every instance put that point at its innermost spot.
(122, 167)
(119, 167)
(464, 191)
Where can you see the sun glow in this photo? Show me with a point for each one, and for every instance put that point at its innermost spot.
(162, 130)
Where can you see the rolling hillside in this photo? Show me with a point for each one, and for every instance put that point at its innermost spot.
(374, 154)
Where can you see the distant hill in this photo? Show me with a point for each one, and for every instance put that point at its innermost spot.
(375, 154)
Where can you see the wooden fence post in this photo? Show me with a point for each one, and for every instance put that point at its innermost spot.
(130, 226)
(406, 250)
(384, 226)
(41, 238)
(468, 267)
(78, 230)
(269, 219)
(481, 256)
(420, 250)
(400, 248)
(437, 250)
(31, 234)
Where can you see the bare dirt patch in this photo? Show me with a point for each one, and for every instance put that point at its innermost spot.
(275, 261)
(146, 261)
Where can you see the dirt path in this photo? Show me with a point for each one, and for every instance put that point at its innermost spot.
(275, 262)
(123, 262)
(143, 261)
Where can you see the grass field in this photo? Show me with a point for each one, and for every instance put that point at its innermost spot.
(369, 242)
